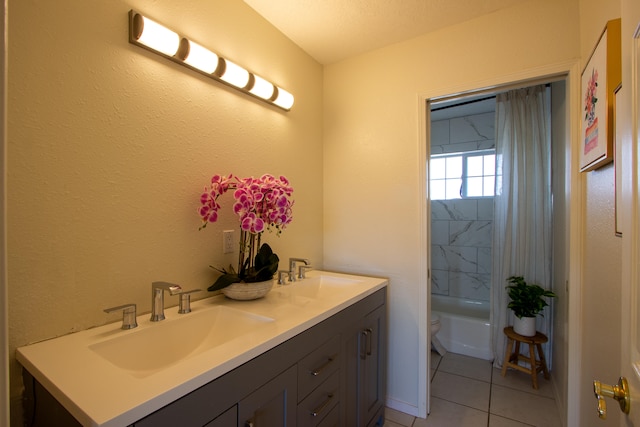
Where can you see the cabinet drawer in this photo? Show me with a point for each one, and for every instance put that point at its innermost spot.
(332, 419)
(320, 403)
(318, 366)
(229, 418)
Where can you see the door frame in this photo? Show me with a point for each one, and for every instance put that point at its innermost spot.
(570, 72)
(4, 322)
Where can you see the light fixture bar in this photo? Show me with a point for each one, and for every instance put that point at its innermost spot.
(155, 37)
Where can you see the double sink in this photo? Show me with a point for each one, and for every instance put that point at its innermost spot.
(142, 369)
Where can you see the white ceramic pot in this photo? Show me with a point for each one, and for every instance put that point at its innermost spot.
(525, 326)
(247, 291)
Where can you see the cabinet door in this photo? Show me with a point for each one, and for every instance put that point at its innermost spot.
(273, 404)
(365, 370)
(372, 366)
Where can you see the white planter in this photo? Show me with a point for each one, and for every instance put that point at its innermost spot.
(247, 291)
(525, 326)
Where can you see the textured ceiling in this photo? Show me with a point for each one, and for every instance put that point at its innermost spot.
(332, 30)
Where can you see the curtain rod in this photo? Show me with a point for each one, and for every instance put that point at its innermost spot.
(463, 103)
(494, 90)
(472, 101)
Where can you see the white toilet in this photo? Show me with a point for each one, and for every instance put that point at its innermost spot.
(435, 327)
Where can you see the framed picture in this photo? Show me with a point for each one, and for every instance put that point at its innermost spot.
(617, 149)
(600, 78)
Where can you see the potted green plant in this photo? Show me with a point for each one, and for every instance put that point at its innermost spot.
(527, 301)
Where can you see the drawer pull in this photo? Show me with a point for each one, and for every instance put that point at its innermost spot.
(364, 336)
(365, 348)
(319, 370)
(322, 407)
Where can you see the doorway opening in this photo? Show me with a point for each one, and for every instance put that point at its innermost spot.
(460, 181)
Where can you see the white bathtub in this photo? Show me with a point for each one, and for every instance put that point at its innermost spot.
(465, 327)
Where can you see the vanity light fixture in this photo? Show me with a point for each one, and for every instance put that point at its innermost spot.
(151, 35)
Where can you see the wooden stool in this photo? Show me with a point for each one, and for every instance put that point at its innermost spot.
(511, 359)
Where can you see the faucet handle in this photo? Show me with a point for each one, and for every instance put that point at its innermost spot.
(302, 271)
(128, 315)
(185, 301)
(281, 273)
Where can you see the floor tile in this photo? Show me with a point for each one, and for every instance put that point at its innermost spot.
(400, 418)
(435, 360)
(525, 407)
(461, 390)
(449, 414)
(522, 381)
(466, 366)
(497, 421)
(469, 392)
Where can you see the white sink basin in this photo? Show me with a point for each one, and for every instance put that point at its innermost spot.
(145, 351)
(304, 291)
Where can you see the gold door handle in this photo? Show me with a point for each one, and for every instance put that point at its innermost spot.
(619, 392)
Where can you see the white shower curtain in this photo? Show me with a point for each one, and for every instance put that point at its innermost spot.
(522, 207)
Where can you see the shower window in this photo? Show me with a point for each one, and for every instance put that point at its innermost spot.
(462, 175)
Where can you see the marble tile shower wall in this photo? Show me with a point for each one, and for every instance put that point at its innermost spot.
(461, 230)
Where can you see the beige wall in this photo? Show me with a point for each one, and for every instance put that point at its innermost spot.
(109, 147)
(373, 159)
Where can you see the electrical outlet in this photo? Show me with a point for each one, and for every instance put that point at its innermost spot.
(227, 241)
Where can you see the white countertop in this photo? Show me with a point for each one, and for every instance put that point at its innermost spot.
(98, 393)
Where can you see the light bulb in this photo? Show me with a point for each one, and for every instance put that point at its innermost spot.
(261, 88)
(201, 58)
(156, 36)
(235, 74)
(284, 99)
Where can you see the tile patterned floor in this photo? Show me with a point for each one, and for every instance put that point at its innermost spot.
(469, 392)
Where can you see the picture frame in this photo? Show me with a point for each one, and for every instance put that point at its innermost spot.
(600, 78)
(617, 150)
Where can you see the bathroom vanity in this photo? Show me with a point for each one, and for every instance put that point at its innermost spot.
(311, 353)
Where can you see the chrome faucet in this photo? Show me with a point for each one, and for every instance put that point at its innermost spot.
(292, 267)
(157, 298)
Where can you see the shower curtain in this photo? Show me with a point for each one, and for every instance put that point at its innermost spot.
(522, 205)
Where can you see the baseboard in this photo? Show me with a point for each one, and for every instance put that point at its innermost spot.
(402, 407)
